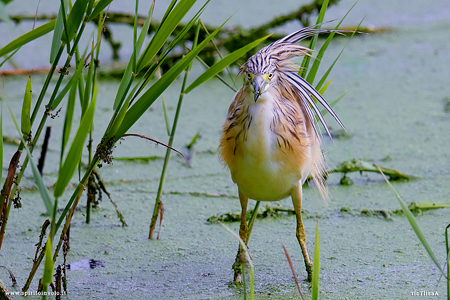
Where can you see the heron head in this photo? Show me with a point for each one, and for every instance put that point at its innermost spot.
(259, 72)
(260, 83)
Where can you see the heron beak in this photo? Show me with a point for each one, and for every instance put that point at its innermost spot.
(258, 85)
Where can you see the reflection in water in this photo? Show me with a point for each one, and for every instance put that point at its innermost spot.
(85, 264)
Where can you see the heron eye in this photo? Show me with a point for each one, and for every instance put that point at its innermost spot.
(270, 75)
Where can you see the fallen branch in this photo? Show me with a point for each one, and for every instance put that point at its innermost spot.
(360, 166)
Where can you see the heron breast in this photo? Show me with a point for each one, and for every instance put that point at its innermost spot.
(259, 172)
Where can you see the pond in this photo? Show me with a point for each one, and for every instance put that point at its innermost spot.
(396, 113)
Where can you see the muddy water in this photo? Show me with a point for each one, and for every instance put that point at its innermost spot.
(398, 83)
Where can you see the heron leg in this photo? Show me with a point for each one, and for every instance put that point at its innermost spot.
(300, 233)
(244, 233)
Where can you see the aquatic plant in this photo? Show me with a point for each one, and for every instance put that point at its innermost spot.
(134, 96)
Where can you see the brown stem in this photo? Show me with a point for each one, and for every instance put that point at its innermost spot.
(37, 260)
(153, 140)
(41, 238)
(58, 281)
(66, 249)
(11, 275)
(67, 223)
(293, 271)
(33, 270)
(6, 193)
(91, 191)
(103, 188)
(161, 215)
(41, 162)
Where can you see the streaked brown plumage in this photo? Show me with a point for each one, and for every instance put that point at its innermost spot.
(270, 140)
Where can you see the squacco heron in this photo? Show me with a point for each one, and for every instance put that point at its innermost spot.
(270, 139)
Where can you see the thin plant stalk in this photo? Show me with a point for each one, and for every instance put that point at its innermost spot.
(293, 272)
(252, 219)
(217, 75)
(244, 282)
(316, 268)
(414, 225)
(91, 194)
(448, 260)
(166, 160)
(168, 151)
(218, 52)
(249, 261)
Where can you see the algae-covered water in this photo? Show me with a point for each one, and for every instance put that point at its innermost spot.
(396, 112)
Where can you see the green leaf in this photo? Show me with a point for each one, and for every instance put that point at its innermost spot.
(414, 225)
(147, 99)
(45, 195)
(74, 155)
(312, 43)
(182, 33)
(316, 265)
(74, 19)
(315, 67)
(163, 33)
(223, 63)
(143, 34)
(324, 88)
(101, 5)
(28, 37)
(332, 104)
(57, 33)
(166, 116)
(89, 79)
(70, 109)
(168, 11)
(325, 76)
(127, 78)
(118, 120)
(61, 94)
(8, 57)
(152, 69)
(134, 55)
(125, 83)
(25, 124)
(48, 264)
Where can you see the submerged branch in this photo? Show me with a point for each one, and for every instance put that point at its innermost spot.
(277, 211)
(357, 165)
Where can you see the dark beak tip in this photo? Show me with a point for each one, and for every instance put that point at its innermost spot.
(257, 94)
